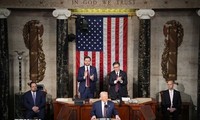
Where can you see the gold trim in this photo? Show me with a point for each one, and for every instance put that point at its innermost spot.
(34, 53)
(34, 75)
(129, 12)
(172, 75)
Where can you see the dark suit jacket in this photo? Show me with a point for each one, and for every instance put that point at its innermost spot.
(97, 109)
(165, 101)
(82, 81)
(40, 100)
(122, 86)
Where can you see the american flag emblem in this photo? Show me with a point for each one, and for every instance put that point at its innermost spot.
(105, 42)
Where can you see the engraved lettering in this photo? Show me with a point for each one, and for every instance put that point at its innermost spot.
(125, 2)
(106, 2)
(74, 2)
(90, 2)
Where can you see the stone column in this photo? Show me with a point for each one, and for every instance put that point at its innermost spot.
(198, 82)
(4, 65)
(144, 54)
(62, 53)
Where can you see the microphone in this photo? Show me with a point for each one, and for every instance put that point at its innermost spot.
(120, 101)
(106, 106)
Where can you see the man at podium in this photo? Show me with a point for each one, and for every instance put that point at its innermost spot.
(104, 108)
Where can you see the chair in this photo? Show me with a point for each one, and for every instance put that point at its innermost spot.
(40, 87)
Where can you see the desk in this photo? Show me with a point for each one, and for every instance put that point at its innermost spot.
(82, 112)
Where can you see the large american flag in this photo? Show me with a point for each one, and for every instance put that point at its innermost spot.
(105, 42)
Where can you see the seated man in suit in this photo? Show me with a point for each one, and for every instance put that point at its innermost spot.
(34, 102)
(104, 108)
(171, 102)
(118, 82)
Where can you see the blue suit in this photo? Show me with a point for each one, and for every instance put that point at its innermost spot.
(40, 102)
(97, 109)
(84, 91)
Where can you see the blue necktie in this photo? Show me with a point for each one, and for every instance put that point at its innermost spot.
(34, 96)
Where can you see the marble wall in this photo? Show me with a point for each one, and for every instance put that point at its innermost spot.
(187, 64)
(16, 22)
(187, 52)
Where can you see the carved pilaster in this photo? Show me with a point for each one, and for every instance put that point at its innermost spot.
(198, 92)
(144, 55)
(63, 83)
(4, 13)
(62, 13)
(145, 13)
(4, 65)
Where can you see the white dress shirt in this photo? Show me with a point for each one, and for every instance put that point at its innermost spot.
(88, 68)
(171, 95)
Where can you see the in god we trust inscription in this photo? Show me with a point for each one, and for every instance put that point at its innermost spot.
(103, 2)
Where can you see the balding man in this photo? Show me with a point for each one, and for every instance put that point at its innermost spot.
(104, 108)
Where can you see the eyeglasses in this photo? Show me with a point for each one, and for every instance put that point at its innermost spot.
(116, 66)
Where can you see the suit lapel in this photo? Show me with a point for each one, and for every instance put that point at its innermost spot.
(31, 97)
(108, 110)
(120, 73)
(168, 97)
(174, 96)
(90, 69)
(36, 97)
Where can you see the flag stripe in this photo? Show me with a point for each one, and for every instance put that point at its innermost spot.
(85, 54)
(108, 44)
(113, 54)
(101, 71)
(117, 40)
(121, 43)
(77, 66)
(104, 55)
(125, 34)
(93, 58)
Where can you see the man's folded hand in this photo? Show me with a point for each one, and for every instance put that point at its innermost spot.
(93, 117)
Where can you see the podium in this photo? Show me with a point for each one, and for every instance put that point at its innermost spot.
(145, 111)
(70, 111)
(66, 113)
(106, 119)
(148, 112)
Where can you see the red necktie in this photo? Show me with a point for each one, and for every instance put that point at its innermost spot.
(117, 84)
(88, 78)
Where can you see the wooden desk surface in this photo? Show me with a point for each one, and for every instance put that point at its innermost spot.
(82, 112)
